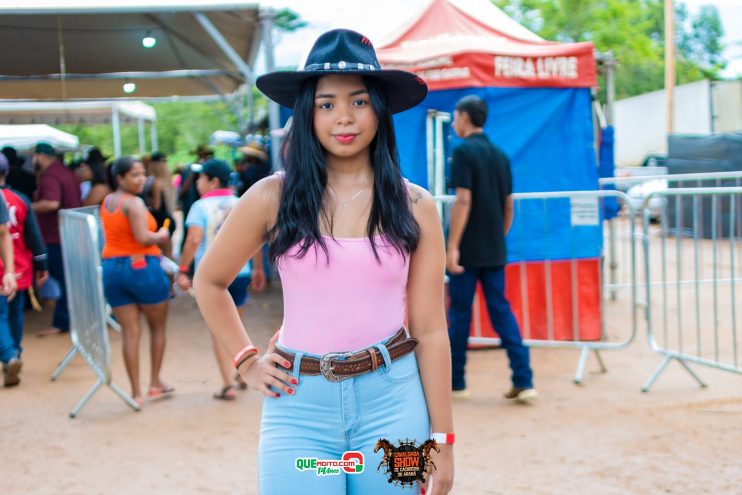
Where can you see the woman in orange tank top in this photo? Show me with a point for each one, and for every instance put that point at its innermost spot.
(133, 280)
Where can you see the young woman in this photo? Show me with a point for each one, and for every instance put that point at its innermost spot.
(159, 196)
(94, 172)
(360, 253)
(133, 280)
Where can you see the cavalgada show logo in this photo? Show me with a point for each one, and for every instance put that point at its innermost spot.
(407, 463)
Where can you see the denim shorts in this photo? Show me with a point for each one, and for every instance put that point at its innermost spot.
(124, 285)
(325, 419)
(238, 289)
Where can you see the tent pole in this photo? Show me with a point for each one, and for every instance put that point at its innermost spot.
(167, 74)
(116, 131)
(274, 118)
(140, 128)
(610, 86)
(230, 52)
(670, 62)
(153, 130)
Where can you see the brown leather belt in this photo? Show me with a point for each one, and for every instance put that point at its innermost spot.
(336, 366)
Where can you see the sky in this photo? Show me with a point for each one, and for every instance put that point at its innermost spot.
(387, 15)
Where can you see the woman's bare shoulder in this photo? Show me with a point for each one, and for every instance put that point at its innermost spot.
(267, 190)
(418, 195)
(423, 206)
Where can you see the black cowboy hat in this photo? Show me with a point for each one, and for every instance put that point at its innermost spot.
(342, 51)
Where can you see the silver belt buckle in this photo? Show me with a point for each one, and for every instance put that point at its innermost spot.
(325, 365)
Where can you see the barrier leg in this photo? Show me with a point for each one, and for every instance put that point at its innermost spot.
(603, 369)
(70, 354)
(656, 374)
(113, 323)
(126, 398)
(693, 374)
(613, 262)
(85, 399)
(581, 366)
(662, 367)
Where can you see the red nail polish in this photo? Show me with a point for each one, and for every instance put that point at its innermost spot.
(287, 365)
(277, 396)
(291, 391)
(422, 490)
(294, 381)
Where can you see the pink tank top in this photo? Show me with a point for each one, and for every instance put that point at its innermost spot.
(346, 305)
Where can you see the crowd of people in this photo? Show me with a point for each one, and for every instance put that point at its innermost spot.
(138, 198)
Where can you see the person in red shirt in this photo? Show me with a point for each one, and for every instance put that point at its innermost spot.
(29, 253)
(58, 189)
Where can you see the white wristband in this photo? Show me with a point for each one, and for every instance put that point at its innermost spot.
(443, 438)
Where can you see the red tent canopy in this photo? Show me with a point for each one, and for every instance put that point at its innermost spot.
(452, 46)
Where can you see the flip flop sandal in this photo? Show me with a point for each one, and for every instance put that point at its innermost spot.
(224, 393)
(240, 382)
(160, 392)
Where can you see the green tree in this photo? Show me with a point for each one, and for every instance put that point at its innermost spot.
(705, 47)
(633, 30)
(287, 20)
(181, 127)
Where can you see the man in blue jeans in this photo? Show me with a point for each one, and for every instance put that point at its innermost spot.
(481, 216)
(9, 357)
(58, 189)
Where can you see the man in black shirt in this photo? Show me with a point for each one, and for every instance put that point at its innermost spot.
(480, 218)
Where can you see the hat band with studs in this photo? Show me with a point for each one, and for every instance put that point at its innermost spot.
(342, 65)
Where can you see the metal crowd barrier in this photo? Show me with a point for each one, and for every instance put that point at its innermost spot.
(584, 208)
(93, 211)
(693, 267)
(617, 254)
(80, 234)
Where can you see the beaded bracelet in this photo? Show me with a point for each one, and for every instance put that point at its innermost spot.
(245, 360)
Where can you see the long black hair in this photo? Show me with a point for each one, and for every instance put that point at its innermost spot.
(122, 166)
(302, 198)
(98, 170)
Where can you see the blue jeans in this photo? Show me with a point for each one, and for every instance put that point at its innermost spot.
(61, 318)
(11, 326)
(461, 289)
(325, 419)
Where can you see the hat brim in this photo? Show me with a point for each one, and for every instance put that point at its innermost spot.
(246, 150)
(208, 152)
(404, 90)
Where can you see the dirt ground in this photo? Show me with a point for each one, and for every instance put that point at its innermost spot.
(605, 437)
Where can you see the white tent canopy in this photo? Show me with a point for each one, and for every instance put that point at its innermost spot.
(74, 112)
(25, 137)
(66, 49)
(84, 112)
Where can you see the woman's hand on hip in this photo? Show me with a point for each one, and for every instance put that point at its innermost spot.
(261, 373)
